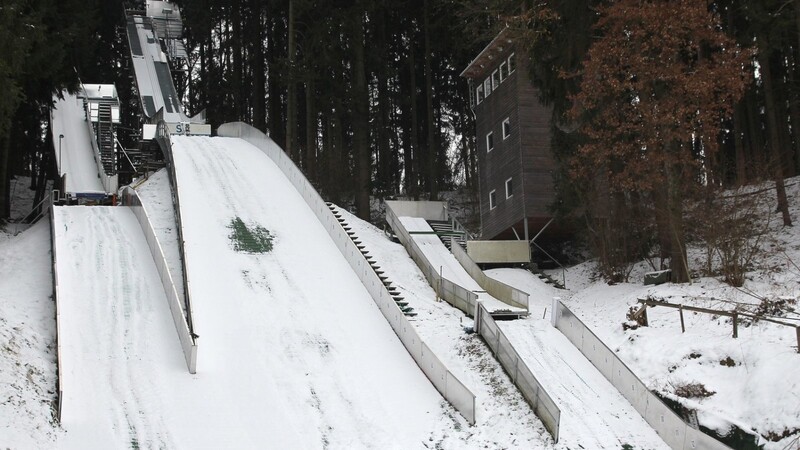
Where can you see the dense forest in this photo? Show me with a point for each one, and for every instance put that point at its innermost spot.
(667, 102)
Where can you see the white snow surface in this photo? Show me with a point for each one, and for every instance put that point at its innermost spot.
(227, 404)
(156, 196)
(294, 352)
(76, 156)
(27, 340)
(122, 369)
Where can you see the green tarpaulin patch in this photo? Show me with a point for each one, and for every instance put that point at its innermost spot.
(255, 239)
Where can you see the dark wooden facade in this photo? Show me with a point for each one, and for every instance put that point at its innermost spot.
(523, 156)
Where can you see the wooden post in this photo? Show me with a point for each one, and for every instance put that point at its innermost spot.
(683, 326)
(797, 330)
(735, 325)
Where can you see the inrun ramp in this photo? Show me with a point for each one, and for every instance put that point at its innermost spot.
(74, 152)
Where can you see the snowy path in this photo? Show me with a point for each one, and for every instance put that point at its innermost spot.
(302, 355)
(75, 157)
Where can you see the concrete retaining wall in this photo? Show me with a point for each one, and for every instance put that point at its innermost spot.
(499, 251)
(467, 301)
(497, 289)
(541, 402)
(445, 382)
(188, 344)
(670, 426)
(428, 210)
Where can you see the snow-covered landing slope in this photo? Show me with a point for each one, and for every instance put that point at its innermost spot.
(299, 354)
(120, 354)
(593, 413)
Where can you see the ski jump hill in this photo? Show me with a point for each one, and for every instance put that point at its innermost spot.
(236, 309)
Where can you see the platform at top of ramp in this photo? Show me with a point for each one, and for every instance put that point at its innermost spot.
(443, 261)
(74, 153)
(310, 359)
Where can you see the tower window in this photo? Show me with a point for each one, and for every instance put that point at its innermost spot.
(509, 188)
(506, 128)
(492, 200)
(489, 142)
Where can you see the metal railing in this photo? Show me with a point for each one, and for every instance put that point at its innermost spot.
(163, 140)
(59, 369)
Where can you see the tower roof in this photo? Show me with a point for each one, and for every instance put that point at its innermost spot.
(483, 61)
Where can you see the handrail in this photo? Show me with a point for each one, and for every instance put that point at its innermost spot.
(119, 144)
(563, 269)
(48, 196)
(163, 140)
(59, 369)
(457, 226)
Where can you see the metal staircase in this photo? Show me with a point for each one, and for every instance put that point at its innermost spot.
(445, 229)
(105, 139)
(399, 300)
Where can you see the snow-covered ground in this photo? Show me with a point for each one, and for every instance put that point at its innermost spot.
(27, 340)
(752, 380)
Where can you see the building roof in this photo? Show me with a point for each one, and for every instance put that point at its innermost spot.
(100, 91)
(485, 58)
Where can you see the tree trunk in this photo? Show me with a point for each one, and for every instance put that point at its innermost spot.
(432, 150)
(311, 129)
(259, 73)
(275, 105)
(738, 142)
(361, 120)
(5, 183)
(384, 156)
(776, 167)
(412, 158)
(291, 94)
